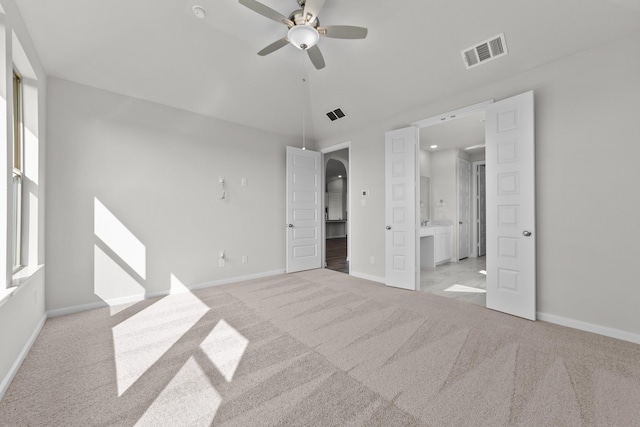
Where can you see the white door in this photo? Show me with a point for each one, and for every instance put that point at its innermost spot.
(511, 244)
(401, 209)
(464, 207)
(482, 211)
(304, 209)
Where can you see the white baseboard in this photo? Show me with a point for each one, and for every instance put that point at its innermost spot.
(590, 327)
(367, 277)
(75, 309)
(140, 297)
(6, 381)
(236, 279)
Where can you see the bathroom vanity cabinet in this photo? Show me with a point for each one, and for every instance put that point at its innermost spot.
(435, 245)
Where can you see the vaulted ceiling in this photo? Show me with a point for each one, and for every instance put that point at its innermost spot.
(159, 51)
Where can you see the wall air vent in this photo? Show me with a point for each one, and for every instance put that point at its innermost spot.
(336, 114)
(484, 52)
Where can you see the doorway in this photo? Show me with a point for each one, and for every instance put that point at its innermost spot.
(449, 154)
(336, 208)
(510, 206)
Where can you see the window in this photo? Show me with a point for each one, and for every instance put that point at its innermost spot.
(18, 169)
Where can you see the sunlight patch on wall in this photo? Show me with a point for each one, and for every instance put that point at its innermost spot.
(33, 230)
(140, 341)
(31, 156)
(225, 347)
(111, 282)
(119, 239)
(177, 287)
(463, 288)
(189, 397)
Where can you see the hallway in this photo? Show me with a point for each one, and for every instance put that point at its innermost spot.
(337, 255)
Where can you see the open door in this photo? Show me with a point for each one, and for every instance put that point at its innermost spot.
(481, 198)
(304, 209)
(464, 208)
(401, 209)
(510, 191)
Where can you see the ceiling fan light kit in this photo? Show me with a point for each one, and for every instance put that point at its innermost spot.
(303, 36)
(304, 31)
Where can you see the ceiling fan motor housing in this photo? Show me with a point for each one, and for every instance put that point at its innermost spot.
(298, 18)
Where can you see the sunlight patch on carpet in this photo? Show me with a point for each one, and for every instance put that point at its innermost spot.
(225, 346)
(189, 400)
(141, 340)
(463, 288)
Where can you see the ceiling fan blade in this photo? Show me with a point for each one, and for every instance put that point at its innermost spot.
(312, 8)
(316, 57)
(266, 11)
(343, 32)
(273, 47)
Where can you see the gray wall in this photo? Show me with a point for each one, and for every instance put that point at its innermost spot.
(587, 133)
(156, 170)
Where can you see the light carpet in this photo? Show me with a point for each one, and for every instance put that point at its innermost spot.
(319, 348)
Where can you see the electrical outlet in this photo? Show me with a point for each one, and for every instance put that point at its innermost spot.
(372, 260)
(243, 182)
(245, 259)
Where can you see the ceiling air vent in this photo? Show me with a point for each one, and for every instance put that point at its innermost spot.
(486, 51)
(336, 114)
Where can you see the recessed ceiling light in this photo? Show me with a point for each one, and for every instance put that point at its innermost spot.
(199, 11)
(339, 176)
(434, 146)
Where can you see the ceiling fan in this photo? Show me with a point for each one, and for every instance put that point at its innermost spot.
(304, 28)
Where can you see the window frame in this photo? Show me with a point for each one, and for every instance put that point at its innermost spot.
(18, 169)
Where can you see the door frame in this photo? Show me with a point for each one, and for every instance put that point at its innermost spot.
(446, 117)
(324, 151)
(470, 216)
(452, 115)
(474, 211)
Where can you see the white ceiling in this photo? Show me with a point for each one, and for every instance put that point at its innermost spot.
(159, 51)
(463, 133)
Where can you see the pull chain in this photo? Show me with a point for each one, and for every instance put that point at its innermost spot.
(304, 80)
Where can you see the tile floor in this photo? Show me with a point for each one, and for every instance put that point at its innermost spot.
(460, 280)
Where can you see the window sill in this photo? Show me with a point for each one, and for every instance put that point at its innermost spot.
(18, 280)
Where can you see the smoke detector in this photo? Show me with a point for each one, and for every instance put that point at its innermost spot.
(488, 50)
(199, 11)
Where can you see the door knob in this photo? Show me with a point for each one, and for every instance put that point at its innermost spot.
(388, 227)
(290, 225)
(526, 233)
(460, 223)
